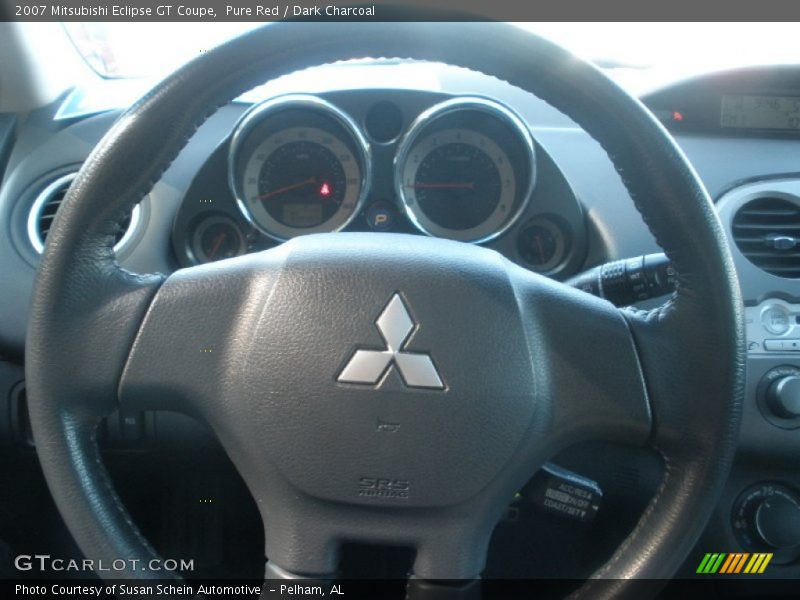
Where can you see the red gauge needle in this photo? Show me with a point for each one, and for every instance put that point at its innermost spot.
(293, 186)
(443, 186)
(218, 241)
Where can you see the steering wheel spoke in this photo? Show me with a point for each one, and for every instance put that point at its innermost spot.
(90, 328)
(586, 361)
(189, 348)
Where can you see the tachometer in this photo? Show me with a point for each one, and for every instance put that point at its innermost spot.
(298, 165)
(299, 179)
(465, 170)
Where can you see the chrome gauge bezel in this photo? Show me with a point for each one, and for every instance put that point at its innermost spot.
(419, 130)
(253, 118)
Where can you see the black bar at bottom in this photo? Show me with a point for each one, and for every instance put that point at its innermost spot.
(705, 587)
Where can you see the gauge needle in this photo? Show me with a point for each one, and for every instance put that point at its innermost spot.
(287, 188)
(538, 239)
(441, 186)
(218, 241)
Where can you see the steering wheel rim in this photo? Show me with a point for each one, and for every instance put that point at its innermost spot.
(689, 352)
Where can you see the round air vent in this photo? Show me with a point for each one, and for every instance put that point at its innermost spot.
(44, 209)
(767, 231)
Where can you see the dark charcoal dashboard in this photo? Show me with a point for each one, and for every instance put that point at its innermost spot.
(439, 151)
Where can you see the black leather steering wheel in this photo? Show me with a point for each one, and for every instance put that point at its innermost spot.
(527, 365)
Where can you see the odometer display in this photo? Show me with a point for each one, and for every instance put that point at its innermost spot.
(299, 214)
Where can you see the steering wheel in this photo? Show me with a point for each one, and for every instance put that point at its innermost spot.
(491, 369)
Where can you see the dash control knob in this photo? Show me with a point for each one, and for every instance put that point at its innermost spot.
(778, 396)
(783, 396)
(777, 521)
(766, 518)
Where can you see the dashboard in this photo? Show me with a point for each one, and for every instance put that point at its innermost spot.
(432, 150)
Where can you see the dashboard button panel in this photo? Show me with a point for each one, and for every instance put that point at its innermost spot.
(772, 327)
(788, 345)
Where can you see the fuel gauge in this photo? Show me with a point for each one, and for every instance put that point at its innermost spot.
(217, 237)
(543, 244)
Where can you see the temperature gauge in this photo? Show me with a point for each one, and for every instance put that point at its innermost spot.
(217, 237)
(542, 244)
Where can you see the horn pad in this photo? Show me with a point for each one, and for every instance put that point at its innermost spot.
(387, 369)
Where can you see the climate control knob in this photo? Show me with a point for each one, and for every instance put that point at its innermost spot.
(766, 518)
(777, 521)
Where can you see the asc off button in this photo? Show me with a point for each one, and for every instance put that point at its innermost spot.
(775, 319)
(792, 345)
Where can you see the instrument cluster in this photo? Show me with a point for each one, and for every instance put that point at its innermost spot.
(463, 168)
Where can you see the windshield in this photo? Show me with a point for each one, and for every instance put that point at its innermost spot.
(674, 50)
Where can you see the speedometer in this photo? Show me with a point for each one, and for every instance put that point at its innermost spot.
(463, 182)
(465, 170)
(298, 165)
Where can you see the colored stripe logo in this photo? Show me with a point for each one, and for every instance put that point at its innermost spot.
(734, 563)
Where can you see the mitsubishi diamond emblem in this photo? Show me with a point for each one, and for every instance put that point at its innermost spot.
(395, 325)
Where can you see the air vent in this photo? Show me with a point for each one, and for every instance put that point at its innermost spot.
(767, 231)
(46, 205)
